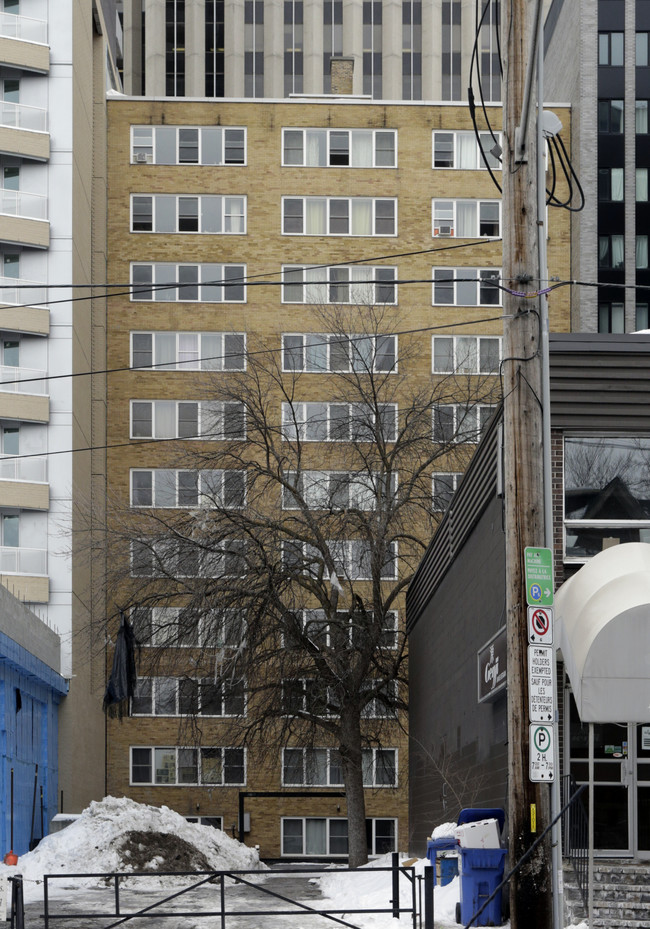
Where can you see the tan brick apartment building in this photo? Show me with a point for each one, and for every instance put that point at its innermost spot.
(244, 190)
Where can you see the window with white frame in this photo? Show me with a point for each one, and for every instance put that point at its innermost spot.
(186, 558)
(350, 628)
(466, 219)
(360, 284)
(169, 487)
(187, 419)
(188, 696)
(356, 148)
(321, 767)
(317, 836)
(337, 490)
(350, 216)
(353, 559)
(308, 696)
(166, 281)
(189, 351)
(466, 354)
(462, 150)
(320, 353)
(173, 627)
(382, 703)
(338, 422)
(466, 286)
(606, 493)
(456, 422)
(207, 214)
(171, 766)
(182, 145)
(216, 822)
(444, 486)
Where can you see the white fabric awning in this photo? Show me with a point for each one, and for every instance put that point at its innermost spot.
(602, 627)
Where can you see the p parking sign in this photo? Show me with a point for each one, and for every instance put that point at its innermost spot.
(538, 566)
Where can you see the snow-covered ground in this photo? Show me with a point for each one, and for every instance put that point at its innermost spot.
(117, 834)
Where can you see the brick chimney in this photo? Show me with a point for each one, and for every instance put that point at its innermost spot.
(342, 72)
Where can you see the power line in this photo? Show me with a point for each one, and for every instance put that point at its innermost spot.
(262, 351)
(248, 280)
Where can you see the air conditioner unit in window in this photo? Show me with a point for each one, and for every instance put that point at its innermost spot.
(445, 230)
(143, 158)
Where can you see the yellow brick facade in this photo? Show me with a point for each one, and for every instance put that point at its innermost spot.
(264, 249)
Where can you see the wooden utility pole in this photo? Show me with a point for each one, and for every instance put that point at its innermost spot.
(530, 890)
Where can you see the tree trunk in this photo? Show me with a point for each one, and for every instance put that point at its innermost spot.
(350, 748)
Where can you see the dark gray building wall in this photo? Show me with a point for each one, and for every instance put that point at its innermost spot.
(458, 746)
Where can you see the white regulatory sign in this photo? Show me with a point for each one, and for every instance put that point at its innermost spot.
(542, 767)
(540, 625)
(541, 684)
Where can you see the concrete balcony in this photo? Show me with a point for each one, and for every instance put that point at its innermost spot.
(23, 571)
(21, 308)
(24, 218)
(23, 43)
(23, 131)
(22, 395)
(23, 483)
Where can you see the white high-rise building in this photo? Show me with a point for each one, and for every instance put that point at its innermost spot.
(55, 57)
(402, 49)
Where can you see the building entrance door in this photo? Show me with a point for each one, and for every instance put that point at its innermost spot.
(621, 783)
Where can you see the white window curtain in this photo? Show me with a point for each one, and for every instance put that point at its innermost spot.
(164, 419)
(617, 183)
(315, 837)
(165, 487)
(466, 222)
(234, 215)
(642, 184)
(165, 213)
(165, 274)
(165, 350)
(362, 216)
(315, 216)
(603, 248)
(211, 149)
(642, 251)
(316, 287)
(642, 117)
(362, 293)
(211, 214)
(316, 148)
(188, 351)
(466, 150)
(466, 289)
(316, 351)
(466, 360)
(361, 154)
(618, 251)
(211, 352)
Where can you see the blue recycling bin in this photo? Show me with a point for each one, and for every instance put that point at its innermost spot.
(481, 872)
(448, 866)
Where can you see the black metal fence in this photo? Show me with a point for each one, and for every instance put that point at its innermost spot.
(398, 906)
(575, 837)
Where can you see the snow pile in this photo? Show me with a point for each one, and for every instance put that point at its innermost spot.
(444, 831)
(118, 834)
(369, 888)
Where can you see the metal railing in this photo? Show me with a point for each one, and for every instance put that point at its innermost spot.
(224, 880)
(13, 26)
(22, 203)
(23, 560)
(21, 116)
(22, 380)
(575, 837)
(18, 291)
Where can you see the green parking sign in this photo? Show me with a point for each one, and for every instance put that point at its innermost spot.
(538, 566)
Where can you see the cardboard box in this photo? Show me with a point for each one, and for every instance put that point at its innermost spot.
(482, 834)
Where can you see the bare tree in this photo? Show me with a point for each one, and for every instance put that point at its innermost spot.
(286, 552)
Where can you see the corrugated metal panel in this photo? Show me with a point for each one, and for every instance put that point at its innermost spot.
(598, 383)
(476, 489)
